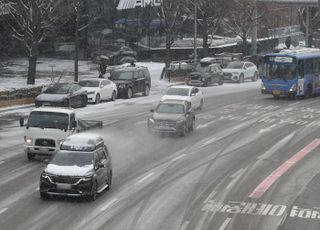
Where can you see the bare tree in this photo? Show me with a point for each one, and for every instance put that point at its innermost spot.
(32, 20)
(239, 21)
(170, 12)
(83, 18)
(211, 14)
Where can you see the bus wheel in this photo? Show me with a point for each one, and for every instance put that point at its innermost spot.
(308, 92)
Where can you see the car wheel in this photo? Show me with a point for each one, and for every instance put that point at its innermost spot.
(255, 76)
(205, 84)
(30, 156)
(98, 99)
(129, 93)
(183, 130)
(44, 196)
(201, 104)
(193, 125)
(241, 78)
(84, 101)
(220, 82)
(93, 195)
(114, 96)
(146, 90)
(109, 180)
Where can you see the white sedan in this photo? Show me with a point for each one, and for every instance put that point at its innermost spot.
(239, 71)
(187, 93)
(99, 89)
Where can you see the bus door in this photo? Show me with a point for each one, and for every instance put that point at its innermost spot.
(300, 87)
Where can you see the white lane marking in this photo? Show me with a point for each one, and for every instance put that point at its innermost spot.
(212, 194)
(3, 210)
(184, 225)
(240, 171)
(209, 142)
(235, 179)
(178, 157)
(141, 123)
(269, 129)
(110, 204)
(206, 125)
(225, 224)
(145, 178)
(110, 123)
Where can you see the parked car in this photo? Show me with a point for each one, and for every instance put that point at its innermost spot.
(183, 92)
(172, 117)
(239, 71)
(206, 73)
(81, 168)
(123, 55)
(99, 89)
(63, 94)
(131, 80)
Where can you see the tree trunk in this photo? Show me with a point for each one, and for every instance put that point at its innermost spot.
(168, 55)
(244, 46)
(76, 47)
(205, 44)
(33, 56)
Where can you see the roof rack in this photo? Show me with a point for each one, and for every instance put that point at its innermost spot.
(300, 51)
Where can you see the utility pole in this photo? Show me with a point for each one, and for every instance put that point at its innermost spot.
(195, 40)
(307, 26)
(254, 28)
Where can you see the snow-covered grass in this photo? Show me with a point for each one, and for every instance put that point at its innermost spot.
(158, 87)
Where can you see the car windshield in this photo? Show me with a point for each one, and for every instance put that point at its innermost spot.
(48, 120)
(118, 75)
(282, 71)
(72, 158)
(235, 65)
(89, 83)
(202, 68)
(58, 89)
(178, 91)
(170, 108)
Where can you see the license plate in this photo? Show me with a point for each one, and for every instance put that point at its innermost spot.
(63, 186)
(276, 92)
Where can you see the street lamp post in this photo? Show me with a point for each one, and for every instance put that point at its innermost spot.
(195, 40)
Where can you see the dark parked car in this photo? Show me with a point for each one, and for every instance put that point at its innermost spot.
(206, 74)
(81, 168)
(123, 55)
(64, 95)
(131, 80)
(172, 117)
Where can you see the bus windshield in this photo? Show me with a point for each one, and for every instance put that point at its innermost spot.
(281, 71)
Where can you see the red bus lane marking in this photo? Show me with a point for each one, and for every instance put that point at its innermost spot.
(276, 174)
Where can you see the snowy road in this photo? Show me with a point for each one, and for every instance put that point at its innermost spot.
(252, 163)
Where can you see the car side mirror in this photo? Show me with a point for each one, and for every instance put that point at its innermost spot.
(21, 121)
(73, 124)
(152, 110)
(46, 161)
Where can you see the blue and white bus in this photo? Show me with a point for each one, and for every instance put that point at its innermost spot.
(292, 73)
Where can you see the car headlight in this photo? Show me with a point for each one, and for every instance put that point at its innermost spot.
(60, 142)
(151, 120)
(263, 86)
(46, 177)
(27, 140)
(87, 178)
(91, 92)
(122, 86)
(293, 88)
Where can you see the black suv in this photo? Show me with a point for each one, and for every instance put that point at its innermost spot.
(81, 168)
(131, 80)
(173, 117)
(205, 75)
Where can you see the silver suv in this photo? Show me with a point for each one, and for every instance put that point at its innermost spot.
(81, 168)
